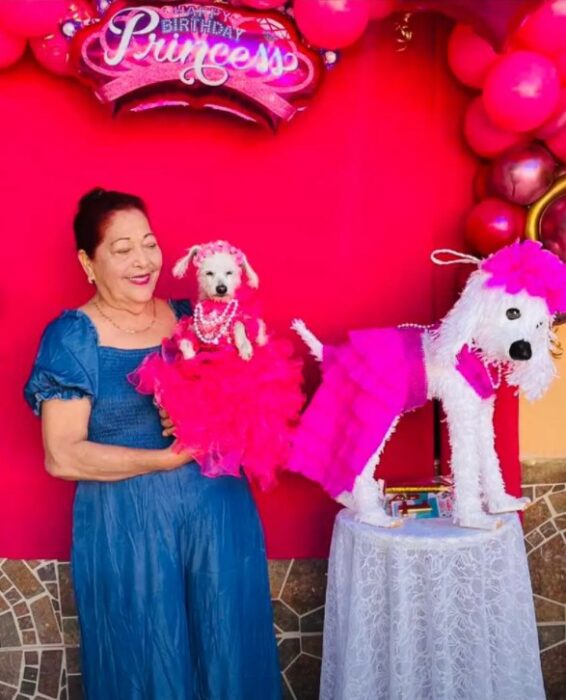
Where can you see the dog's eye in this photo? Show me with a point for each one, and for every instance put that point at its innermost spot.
(229, 273)
(210, 274)
(512, 314)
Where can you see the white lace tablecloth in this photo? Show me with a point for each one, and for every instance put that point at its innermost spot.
(429, 611)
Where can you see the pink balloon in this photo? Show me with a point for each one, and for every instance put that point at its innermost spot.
(378, 9)
(557, 121)
(11, 48)
(521, 91)
(557, 145)
(52, 52)
(552, 229)
(469, 55)
(523, 174)
(29, 18)
(483, 136)
(332, 24)
(544, 30)
(493, 224)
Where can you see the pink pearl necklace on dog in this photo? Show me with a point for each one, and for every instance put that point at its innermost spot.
(494, 384)
(210, 328)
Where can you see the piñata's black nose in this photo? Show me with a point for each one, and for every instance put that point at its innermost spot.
(221, 290)
(520, 350)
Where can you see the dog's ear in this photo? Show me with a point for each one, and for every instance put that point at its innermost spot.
(253, 279)
(182, 265)
(460, 324)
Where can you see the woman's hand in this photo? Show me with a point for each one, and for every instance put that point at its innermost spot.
(166, 423)
(175, 456)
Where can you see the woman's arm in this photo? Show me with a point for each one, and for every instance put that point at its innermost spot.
(70, 455)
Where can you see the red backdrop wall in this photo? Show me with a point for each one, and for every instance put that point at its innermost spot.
(338, 212)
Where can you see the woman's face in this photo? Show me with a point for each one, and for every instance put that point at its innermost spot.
(127, 262)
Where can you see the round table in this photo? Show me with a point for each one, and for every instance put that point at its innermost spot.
(429, 611)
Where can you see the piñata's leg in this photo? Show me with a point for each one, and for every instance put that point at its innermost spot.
(463, 409)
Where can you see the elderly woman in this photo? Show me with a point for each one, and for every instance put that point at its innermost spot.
(169, 566)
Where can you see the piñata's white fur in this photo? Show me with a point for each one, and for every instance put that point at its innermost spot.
(480, 320)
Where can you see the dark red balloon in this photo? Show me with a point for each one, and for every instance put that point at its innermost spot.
(493, 19)
(523, 174)
(552, 228)
(494, 223)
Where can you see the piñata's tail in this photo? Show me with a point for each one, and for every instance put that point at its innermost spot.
(308, 337)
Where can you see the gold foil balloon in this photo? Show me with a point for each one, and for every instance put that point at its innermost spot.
(546, 220)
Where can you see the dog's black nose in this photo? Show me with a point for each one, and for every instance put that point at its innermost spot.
(520, 350)
(221, 290)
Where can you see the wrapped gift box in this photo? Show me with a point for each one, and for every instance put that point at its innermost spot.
(429, 499)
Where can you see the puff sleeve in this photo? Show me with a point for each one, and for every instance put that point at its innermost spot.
(66, 365)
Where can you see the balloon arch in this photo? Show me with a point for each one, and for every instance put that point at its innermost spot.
(263, 60)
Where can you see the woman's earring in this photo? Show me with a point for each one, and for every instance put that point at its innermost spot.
(90, 279)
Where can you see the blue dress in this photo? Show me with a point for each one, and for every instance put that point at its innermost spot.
(169, 568)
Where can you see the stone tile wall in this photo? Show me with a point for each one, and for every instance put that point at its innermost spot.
(545, 538)
(39, 636)
(39, 633)
(298, 588)
(39, 654)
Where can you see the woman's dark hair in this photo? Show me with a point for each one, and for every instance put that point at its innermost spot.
(95, 208)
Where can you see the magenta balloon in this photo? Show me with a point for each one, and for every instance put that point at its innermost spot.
(557, 121)
(523, 174)
(469, 55)
(52, 52)
(332, 24)
(11, 48)
(483, 136)
(521, 91)
(557, 145)
(544, 30)
(552, 229)
(31, 18)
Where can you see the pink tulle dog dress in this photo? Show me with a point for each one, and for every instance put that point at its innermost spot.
(238, 413)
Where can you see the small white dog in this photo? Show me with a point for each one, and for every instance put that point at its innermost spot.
(224, 313)
(501, 325)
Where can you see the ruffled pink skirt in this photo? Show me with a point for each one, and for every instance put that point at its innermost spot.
(238, 414)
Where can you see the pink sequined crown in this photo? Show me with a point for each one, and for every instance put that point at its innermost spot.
(528, 266)
(218, 247)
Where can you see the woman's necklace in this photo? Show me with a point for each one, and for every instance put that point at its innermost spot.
(210, 328)
(131, 331)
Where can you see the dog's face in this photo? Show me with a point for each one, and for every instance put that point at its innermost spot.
(512, 327)
(219, 276)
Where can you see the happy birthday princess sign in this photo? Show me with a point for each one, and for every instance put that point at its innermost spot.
(249, 63)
